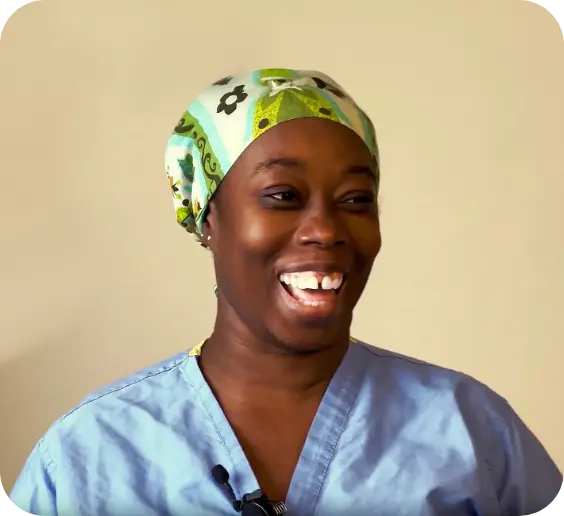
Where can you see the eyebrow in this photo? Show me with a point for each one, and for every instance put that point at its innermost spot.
(295, 163)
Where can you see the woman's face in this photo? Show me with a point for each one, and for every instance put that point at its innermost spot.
(294, 230)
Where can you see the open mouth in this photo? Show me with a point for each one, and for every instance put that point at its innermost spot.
(313, 289)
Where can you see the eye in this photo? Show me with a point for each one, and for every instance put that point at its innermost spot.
(281, 197)
(360, 199)
(287, 196)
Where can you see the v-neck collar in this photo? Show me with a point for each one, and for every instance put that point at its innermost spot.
(320, 444)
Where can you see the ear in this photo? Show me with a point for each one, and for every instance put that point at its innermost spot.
(209, 228)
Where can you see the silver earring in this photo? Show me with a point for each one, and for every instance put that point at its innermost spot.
(215, 289)
(209, 238)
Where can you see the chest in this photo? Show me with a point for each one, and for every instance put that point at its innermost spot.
(348, 472)
(273, 442)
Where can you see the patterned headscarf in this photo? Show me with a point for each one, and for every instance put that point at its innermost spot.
(233, 112)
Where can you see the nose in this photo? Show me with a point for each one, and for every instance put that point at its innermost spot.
(321, 226)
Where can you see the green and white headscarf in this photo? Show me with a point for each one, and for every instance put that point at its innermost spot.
(233, 112)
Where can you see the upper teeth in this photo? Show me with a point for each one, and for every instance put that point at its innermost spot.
(312, 280)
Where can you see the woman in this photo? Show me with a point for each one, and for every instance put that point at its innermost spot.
(280, 397)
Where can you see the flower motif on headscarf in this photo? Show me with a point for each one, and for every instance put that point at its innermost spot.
(229, 107)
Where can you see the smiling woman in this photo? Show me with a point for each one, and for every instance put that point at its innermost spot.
(277, 173)
(307, 219)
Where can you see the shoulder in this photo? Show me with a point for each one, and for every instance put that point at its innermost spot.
(456, 410)
(131, 428)
(123, 405)
(168, 372)
(405, 362)
(450, 403)
(164, 372)
(431, 386)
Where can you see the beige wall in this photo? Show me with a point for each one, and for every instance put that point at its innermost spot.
(97, 280)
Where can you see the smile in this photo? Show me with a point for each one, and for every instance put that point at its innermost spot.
(312, 289)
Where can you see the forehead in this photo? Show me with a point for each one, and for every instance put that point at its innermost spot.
(311, 140)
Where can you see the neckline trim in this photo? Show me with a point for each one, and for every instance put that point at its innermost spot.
(196, 351)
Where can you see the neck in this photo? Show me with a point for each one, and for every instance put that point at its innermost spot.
(243, 366)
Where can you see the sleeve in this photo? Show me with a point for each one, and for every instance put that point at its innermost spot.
(528, 479)
(34, 490)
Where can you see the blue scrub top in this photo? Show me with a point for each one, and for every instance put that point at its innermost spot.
(393, 436)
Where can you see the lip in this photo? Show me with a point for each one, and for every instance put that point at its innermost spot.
(312, 313)
(319, 314)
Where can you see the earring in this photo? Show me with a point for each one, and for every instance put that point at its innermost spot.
(209, 238)
(215, 289)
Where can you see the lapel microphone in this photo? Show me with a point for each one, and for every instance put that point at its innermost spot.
(252, 504)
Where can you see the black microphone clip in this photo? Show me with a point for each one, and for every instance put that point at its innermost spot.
(258, 504)
(221, 477)
(252, 504)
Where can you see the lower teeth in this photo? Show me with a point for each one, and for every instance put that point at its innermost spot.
(307, 302)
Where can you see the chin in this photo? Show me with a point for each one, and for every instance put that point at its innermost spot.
(313, 336)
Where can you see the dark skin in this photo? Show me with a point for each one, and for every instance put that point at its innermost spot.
(302, 195)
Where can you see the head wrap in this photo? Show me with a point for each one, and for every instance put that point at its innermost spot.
(233, 112)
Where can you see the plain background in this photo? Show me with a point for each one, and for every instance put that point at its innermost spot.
(97, 280)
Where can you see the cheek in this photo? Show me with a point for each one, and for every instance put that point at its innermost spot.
(255, 234)
(249, 246)
(367, 237)
(367, 245)
(374, 244)
(258, 232)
